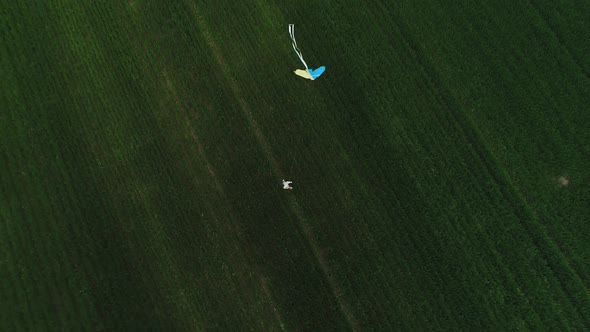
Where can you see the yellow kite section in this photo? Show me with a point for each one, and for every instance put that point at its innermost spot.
(303, 73)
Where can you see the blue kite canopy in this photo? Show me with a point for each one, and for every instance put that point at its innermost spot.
(310, 74)
(315, 73)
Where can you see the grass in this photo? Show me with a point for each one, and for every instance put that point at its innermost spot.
(144, 144)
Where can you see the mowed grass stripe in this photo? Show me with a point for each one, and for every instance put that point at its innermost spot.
(261, 102)
(39, 190)
(535, 230)
(541, 240)
(17, 282)
(397, 186)
(560, 127)
(580, 138)
(357, 227)
(555, 24)
(336, 289)
(542, 245)
(224, 216)
(154, 241)
(568, 21)
(265, 147)
(11, 205)
(111, 160)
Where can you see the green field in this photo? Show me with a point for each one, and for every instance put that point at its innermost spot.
(441, 165)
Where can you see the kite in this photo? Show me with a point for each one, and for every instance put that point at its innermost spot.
(310, 74)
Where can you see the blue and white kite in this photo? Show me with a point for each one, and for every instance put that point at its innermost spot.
(310, 74)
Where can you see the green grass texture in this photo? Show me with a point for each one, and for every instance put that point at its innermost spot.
(441, 165)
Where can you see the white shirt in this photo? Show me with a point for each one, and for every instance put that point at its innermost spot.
(287, 184)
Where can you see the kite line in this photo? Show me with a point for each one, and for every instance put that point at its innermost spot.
(294, 44)
(310, 74)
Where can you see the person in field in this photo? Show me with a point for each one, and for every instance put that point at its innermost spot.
(287, 185)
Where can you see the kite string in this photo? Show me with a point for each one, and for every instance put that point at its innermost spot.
(294, 44)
